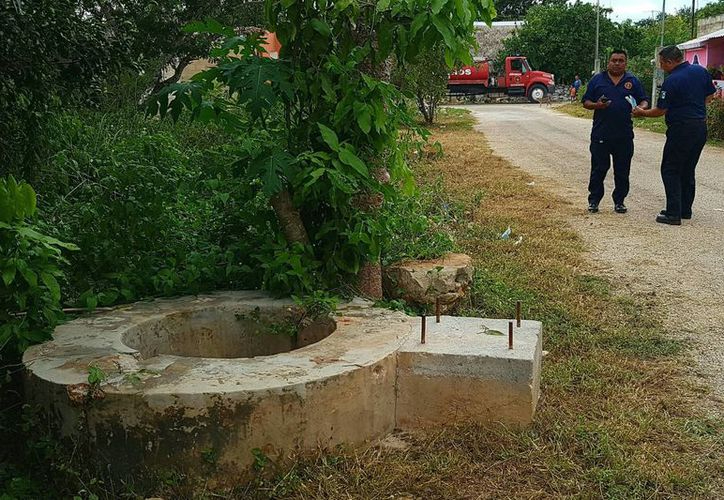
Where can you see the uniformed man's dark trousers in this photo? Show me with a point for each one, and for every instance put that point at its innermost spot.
(684, 142)
(622, 151)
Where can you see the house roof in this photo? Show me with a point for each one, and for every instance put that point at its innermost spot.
(699, 42)
(500, 24)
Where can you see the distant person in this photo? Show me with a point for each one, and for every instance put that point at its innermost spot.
(610, 94)
(576, 86)
(684, 95)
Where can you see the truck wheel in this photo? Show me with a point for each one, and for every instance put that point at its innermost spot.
(537, 93)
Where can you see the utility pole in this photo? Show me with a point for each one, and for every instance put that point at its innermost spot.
(597, 62)
(693, 19)
(657, 71)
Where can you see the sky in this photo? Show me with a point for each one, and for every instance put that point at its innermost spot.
(641, 9)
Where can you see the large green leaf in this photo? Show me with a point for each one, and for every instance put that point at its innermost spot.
(329, 136)
(52, 284)
(347, 156)
(437, 6)
(363, 116)
(321, 27)
(270, 169)
(48, 240)
(8, 274)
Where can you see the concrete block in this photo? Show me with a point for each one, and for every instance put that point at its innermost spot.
(465, 372)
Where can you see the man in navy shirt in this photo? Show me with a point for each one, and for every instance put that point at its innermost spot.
(684, 96)
(611, 93)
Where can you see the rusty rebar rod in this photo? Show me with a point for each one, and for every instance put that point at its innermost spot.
(517, 313)
(423, 326)
(437, 309)
(510, 334)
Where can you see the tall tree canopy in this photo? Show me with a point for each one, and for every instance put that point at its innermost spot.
(57, 52)
(560, 38)
(514, 10)
(711, 9)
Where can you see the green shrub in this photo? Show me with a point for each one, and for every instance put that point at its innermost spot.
(154, 207)
(420, 225)
(715, 119)
(29, 265)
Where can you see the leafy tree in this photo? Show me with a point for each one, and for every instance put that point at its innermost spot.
(711, 9)
(51, 53)
(561, 38)
(426, 80)
(155, 28)
(320, 127)
(514, 10)
(676, 30)
(29, 271)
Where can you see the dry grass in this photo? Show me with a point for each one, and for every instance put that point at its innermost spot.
(617, 418)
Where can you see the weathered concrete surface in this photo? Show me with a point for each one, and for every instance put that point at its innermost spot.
(162, 410)
(424, 281)
(203, 416)
(465, 372)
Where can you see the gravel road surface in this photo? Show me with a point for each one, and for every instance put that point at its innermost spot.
(681, 267)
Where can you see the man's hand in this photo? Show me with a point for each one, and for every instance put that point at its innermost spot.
(596, 105)
(603, 103)
(648, 113)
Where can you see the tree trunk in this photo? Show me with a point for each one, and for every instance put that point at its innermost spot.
(289, 218)
(369, 280)
(177, 70)
(424, 109)
(369, 277)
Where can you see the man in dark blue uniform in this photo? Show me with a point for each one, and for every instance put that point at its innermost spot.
(684, 96)
(611, 93)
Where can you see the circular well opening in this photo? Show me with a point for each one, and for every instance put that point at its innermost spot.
(227, 333)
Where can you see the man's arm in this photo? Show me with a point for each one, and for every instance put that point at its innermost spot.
(638, 111)
(588, 104)
(640, 94)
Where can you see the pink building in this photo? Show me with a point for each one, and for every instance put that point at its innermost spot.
(708, 51)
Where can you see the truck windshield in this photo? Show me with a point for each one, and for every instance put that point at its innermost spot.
(526, 66)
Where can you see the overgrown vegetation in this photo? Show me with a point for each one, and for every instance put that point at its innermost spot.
(30, 269)
(320, 127)
(426, 81)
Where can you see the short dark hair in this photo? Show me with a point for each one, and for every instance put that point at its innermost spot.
(618, 51)
(671, 53)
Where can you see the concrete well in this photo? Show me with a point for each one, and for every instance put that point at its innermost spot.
(195, 384)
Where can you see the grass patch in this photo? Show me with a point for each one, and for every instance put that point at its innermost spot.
(617, 417)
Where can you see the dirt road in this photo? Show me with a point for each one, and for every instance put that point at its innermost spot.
(682, 268)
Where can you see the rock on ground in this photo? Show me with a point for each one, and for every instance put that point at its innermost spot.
(423, 281)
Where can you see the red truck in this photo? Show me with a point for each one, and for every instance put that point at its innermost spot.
(518, 80)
